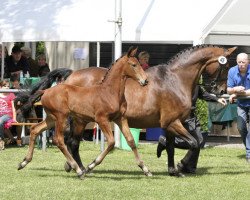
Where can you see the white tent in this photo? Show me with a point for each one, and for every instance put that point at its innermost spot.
(163, 21)
(89, 20)
(234, 27)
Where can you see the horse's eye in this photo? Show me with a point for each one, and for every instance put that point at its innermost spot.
(133, 65)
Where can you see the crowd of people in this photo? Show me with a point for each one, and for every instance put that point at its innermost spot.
(16, 65)
(20, 62)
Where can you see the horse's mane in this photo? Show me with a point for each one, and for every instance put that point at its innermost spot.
(189, 50)
(162, 67)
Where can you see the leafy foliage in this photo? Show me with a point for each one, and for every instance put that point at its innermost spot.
(40, 48)
(202, 113)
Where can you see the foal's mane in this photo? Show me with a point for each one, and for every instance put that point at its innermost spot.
(109, 68)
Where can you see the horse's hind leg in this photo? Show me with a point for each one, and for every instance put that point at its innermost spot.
(107, 131)
(72, 139)
(177, 128)
(123, 125)
(35, 130)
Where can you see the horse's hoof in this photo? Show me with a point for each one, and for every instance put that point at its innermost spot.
(67, 167)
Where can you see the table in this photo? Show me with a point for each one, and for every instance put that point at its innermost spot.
(222, 114)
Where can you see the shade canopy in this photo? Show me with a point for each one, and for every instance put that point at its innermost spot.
(142, 20)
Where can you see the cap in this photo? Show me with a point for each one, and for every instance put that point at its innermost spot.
(26, 51)
(16, 49)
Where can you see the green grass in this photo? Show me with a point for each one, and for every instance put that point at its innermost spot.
(222, 174)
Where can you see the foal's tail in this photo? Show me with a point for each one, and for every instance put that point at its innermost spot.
(28, 98)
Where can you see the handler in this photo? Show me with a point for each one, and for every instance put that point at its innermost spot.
(189, 163)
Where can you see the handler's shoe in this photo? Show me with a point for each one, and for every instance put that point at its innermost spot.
(185, 169)
(248, 160)
(1, 144)
(161, 145)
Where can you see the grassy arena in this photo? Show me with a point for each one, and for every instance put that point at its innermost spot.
(223, 174)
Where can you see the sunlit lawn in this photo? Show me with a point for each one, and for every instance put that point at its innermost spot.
(223, 174)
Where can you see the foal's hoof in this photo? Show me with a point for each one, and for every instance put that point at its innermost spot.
(81, 175)
(88, 170)
(148, 173)
(20, 166)
(67, 167)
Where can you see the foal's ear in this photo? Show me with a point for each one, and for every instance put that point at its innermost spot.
(132, 51)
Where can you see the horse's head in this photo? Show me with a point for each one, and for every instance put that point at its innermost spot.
(133, 68)
(215, 75)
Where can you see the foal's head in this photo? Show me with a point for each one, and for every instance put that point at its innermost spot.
(132, 67)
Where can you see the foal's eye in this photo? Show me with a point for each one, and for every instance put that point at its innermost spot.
(133, 65)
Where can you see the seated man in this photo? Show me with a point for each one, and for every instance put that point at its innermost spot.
(16, 63)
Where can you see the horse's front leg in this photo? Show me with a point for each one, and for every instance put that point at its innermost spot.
(105, 126)
(35, 130)
(72, 140)
(123, 125)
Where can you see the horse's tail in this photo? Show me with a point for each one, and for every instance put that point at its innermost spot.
(27, 99)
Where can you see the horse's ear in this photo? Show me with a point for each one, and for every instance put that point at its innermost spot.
(230, 51)
(132, 51)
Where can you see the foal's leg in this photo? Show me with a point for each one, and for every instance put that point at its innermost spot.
(123, 125)
(35, 130)
(107, 131)
(60, 126)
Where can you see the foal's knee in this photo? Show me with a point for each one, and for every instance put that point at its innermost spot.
(131, 143)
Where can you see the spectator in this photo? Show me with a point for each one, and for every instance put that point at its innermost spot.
(14, 82)
(7, 111)
(238, 84)
(143, 58)
(43, 66)
(26, 51)
(16, 63)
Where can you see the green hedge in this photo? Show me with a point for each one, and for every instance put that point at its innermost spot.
(202, 113)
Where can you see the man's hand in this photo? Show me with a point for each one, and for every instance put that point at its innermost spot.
(222, 101)
(232, 98)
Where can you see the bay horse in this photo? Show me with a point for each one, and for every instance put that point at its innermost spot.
(165, 102)
(101, 103)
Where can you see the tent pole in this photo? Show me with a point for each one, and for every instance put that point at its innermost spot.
(2, 63)
(118, 53)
